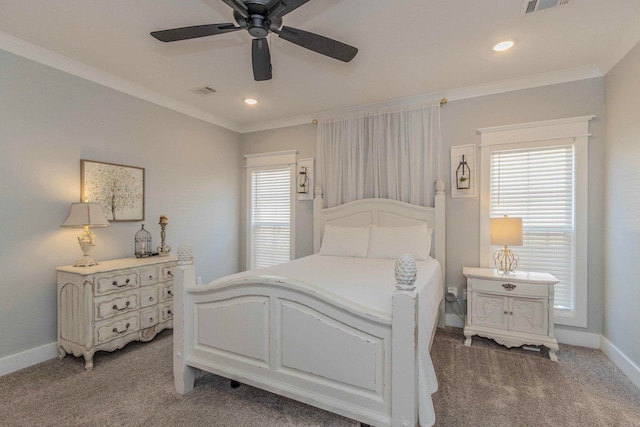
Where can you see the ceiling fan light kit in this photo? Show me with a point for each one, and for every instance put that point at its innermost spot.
(259, 18)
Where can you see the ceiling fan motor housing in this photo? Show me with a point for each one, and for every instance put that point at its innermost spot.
(258, 26)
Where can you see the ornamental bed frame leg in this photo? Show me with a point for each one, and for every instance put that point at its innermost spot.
(184, 376)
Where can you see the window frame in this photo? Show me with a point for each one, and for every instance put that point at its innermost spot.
(540, 134)
(267, 161)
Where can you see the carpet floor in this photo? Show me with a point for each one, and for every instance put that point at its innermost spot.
(482, 385)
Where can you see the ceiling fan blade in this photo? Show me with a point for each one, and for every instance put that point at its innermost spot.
(194, 32)
(261, 59)
(238, 6)
(279, 8)
(318, 43)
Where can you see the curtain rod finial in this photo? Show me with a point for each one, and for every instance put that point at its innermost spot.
(314, 121)
(443, 101)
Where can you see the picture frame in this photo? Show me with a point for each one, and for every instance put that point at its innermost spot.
(463, 156)
(118, 188)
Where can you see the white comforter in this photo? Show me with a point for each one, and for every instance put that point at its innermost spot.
(370, 283)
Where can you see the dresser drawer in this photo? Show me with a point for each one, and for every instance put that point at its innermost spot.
(115, 282)
(149, 275)
(111, 306)
(167, 293)
(148, 296)
(167, 272)
(116, 329)
(166, 312)
(148, 318)
(506, 287)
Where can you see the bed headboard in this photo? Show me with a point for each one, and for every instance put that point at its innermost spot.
(385, 213)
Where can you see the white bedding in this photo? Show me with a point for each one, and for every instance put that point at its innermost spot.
(369, 283)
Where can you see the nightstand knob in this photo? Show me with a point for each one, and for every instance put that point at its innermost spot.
(508, 286)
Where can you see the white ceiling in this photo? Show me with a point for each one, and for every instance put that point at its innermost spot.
(407, 48)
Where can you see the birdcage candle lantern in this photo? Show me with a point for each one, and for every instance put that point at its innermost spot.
(143, 243)
(303, 181)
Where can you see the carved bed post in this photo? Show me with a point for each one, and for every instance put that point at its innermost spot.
(185, 276)
(404, 345)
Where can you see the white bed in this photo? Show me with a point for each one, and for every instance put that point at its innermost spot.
(333, 332)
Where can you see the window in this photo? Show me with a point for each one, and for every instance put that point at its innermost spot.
(538, 173)
(270, 209)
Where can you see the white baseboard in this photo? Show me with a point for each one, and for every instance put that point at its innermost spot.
(630, 369)
(15, 362)
(582, 339)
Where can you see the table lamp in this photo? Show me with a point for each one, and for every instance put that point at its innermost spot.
(506, 232)
(86, 215)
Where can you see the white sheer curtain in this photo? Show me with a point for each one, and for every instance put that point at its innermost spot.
(390, 154)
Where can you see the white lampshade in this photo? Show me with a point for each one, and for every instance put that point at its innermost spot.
(506, 231)
(85, 214)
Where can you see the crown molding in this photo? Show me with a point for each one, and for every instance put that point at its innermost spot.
(493, 88)
(47, 57)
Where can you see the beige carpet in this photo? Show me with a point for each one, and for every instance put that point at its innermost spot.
(485, 385)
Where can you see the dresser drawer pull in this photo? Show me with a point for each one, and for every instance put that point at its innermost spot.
(126, 306)
(150, 277)
(115, 283)
(170, 313)
(150, 319)
(115, 330)
(170, 292)
(150, 298)
(169, 273)
(508, 286)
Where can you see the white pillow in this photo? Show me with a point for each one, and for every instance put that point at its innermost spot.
(391, 242)
(345, 241)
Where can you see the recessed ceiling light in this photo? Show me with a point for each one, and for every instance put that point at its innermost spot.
(502, 46)
(250, 101)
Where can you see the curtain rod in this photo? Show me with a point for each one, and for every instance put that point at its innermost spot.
(442, 102)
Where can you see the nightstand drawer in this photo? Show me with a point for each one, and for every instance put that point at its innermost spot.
(507, 287)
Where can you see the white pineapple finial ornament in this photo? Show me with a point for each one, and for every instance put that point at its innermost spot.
(406, 272)
(185, 256)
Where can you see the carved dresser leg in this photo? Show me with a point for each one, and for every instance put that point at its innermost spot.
(88, 360)
(61, 353)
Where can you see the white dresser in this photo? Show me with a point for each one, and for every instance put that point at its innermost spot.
(108, 305)
(512, 309)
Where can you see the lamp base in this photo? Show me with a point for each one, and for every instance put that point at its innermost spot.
(506, 260)
(85, 261)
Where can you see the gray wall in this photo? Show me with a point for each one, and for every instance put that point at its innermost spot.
(49, 120)
(460, 121)
(622, 243)
(303, 139)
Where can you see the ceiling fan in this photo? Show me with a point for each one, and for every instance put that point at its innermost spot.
(259, 17)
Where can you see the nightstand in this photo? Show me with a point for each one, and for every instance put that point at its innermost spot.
(512, 309)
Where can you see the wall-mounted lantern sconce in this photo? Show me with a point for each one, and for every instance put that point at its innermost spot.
(463, 175)
(304, 179)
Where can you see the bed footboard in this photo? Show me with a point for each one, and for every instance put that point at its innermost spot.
(288, 340)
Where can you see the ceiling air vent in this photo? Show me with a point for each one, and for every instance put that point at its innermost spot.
(531, 6)
(204, 90)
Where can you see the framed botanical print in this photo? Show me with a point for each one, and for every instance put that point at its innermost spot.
(118, 188)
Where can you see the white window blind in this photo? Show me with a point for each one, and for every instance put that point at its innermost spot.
(270, 217)
(538, 185)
